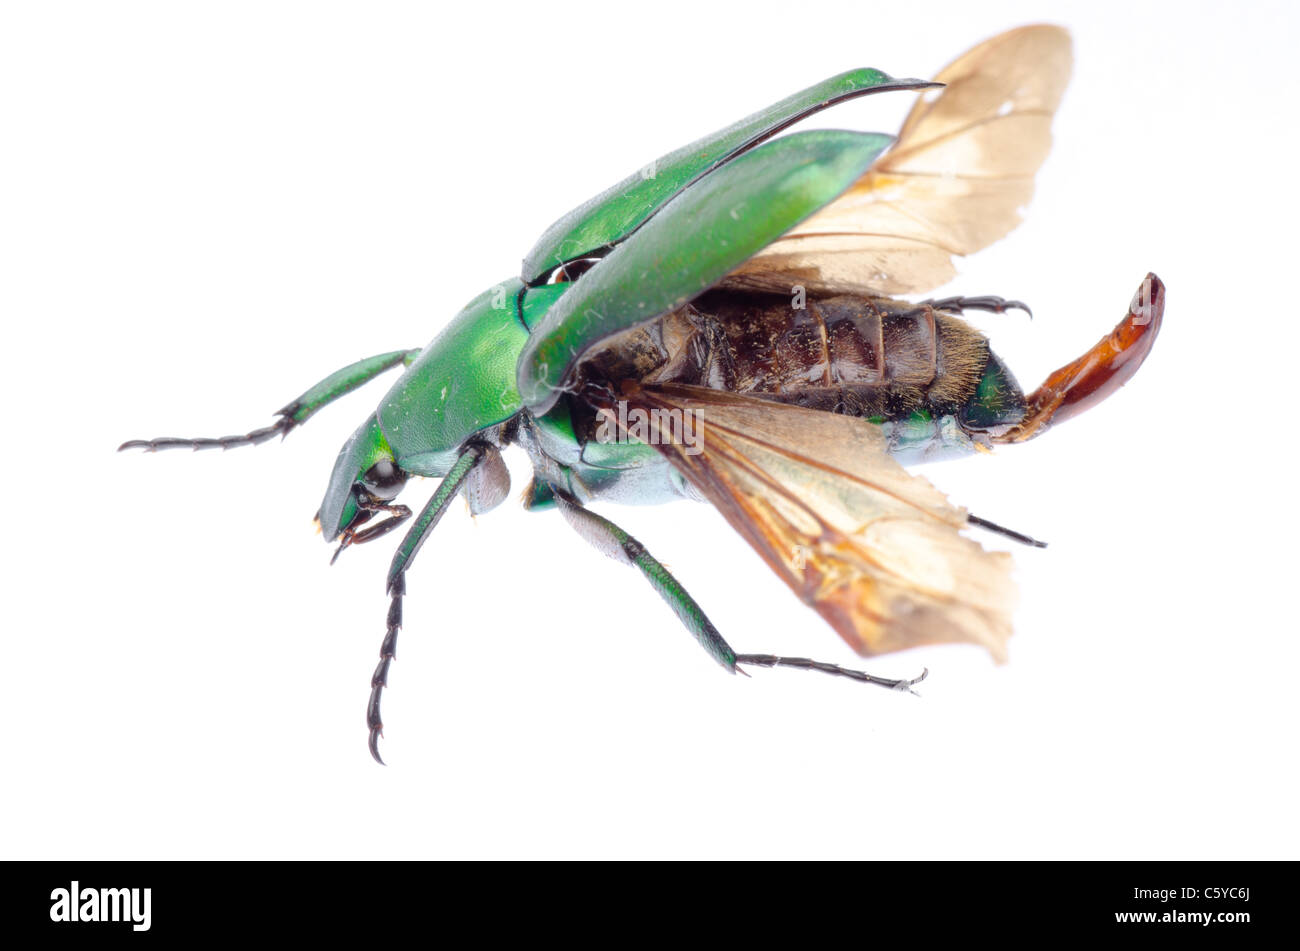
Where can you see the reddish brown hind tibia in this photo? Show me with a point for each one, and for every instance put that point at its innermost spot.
(1099, 372)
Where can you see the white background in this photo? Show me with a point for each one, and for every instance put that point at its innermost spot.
(207, 207)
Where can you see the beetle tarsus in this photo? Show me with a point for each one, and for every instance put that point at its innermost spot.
(432, 512)
(835, 670)
(1003, 530)
(281, 427)
(985, 302)
(387, 654)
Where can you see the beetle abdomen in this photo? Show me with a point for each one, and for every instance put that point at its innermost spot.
(859, 356)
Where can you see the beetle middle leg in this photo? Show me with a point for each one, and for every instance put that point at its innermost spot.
(614, 542)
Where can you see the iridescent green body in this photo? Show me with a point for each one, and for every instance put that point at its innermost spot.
(693, 242)
(890, 358)
(627, 290)
(462, 383)
(609, 217)
(696, 213)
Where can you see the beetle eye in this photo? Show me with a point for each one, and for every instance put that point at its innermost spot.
(384, 480)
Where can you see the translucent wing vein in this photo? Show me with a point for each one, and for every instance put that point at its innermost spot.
(954, 182)
(876, 551)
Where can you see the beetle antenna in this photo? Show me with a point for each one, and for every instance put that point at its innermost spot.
(835, 670)
(280, 427)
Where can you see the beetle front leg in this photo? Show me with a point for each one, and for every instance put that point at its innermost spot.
(612, 541)
(429, 517)
(338, 383)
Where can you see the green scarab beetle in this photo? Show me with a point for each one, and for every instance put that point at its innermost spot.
(723, 325)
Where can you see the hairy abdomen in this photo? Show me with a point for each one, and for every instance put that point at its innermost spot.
(859, 356)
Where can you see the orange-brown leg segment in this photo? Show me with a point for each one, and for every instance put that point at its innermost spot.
(1099, 372)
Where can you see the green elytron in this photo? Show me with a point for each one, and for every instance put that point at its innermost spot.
(721, 325)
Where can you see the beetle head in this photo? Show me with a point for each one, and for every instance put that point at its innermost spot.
(366, 468)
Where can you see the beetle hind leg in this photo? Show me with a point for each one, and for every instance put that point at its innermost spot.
(612, 541)
(985, 302)
(995, 528)
(805, 663)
